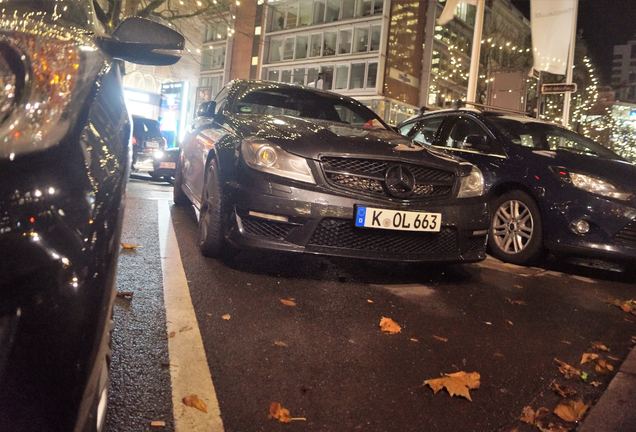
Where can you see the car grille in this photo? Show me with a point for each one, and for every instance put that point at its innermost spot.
(627, 235)
(264, 228)
(340, 233)
(368, 176)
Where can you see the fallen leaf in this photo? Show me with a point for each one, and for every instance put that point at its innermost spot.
(370, 301)
(516, 302)
(414, 340)
(278, 412)
(596, 383)
(226, 317)
(456, 384)
(588, 357)
(530, 416)
(499, 355)
(627, 306)
(487, 323)
(128, 295)
(510, 322)
(600, 346)
(567, 370)
(172, 334)
(566, 342)
(440, 338)
(613, 358)
(288, 302)
(280, 344)
(129, 246)
(563, 391)
(571, 410)
(387, 325)
(603, 366)
(194, 402)
(157, 423)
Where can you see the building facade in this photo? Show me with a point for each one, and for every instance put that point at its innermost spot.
(624, 71)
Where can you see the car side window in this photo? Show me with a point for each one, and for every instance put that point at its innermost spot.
(407, 128)
(427, 129)
(221, 100)
(467, 134)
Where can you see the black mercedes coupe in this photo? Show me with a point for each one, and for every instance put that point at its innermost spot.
(289, 168)
(64, 162)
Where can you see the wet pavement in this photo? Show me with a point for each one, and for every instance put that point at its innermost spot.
(327, 360)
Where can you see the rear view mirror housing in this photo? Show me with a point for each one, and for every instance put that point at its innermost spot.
(142, 41)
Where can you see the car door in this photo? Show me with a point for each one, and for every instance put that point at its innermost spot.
(202, 140)
(468, 138)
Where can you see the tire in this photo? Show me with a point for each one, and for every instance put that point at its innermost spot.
(178, 196)
(516, 229)
(211, 226)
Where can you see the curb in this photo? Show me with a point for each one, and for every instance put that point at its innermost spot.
(616, 409)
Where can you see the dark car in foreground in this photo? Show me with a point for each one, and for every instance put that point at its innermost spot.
(549, 188)
(282, 167)
(150, 153)
(64, 162)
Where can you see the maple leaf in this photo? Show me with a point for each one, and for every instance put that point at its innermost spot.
(456, 384)
(530, 416)
(194, 402)
(588, 357)
(562, 391)
(387, 325)
(571, 410)
(599, 346)
(278, 412)
(226, 317)
(129, 246)
(567, 370)
(288, 302)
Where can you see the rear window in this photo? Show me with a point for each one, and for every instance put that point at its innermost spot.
(145, 128)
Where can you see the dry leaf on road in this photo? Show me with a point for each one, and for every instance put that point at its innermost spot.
(226, 317)
(127, 295)
(194, 402)
(567, 370)
(280, 413)
(603, 366)
(563, 391)
(570, 410)
(599, 346)
(627, 306)
(530, 416)
(288, 302)
(596, 383)
(370, 301)
(414, 339)
(280, 344)
(516, 302)
(387, 325)
(457, 384)
(129, 246)
(157, 423)
(440, 338)
(588, 357)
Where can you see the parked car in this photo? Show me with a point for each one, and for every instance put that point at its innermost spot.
(549, 188)
(282, 167)
(64, 162)
(150, 154)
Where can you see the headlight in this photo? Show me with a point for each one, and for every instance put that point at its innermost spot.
(593, 184)
(264, 156)
(41, 76)
(158, 155)
(471, 185)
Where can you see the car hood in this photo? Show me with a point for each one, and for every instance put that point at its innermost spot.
(620, 173)
(311, 138)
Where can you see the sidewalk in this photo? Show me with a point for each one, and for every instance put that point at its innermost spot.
(616, 409)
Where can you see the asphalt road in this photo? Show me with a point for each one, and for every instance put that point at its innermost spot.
(327, 360)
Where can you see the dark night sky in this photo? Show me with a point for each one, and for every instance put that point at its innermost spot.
(604, 23)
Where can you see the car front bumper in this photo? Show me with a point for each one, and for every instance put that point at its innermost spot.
(612, 234)
(270, 213)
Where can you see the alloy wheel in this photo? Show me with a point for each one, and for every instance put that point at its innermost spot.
(512, 226)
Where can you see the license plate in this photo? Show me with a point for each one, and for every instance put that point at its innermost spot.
(168, 165)
(369, 217)
(152, 144)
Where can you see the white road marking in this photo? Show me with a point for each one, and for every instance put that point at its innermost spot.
(189, 371)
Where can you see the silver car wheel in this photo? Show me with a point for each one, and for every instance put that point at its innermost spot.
(512, 227)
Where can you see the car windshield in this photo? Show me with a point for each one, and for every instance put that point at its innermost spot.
(306, 104)
(76, 12)
(543, 136)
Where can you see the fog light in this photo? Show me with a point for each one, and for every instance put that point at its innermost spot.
(581, 226)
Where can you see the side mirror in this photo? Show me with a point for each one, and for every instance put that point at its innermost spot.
(206, 109)
(139, 40)
(476, 142)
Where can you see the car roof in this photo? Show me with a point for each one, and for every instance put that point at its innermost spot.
(276, 84)
(518, 117)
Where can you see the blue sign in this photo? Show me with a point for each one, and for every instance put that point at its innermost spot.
(361, 214)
